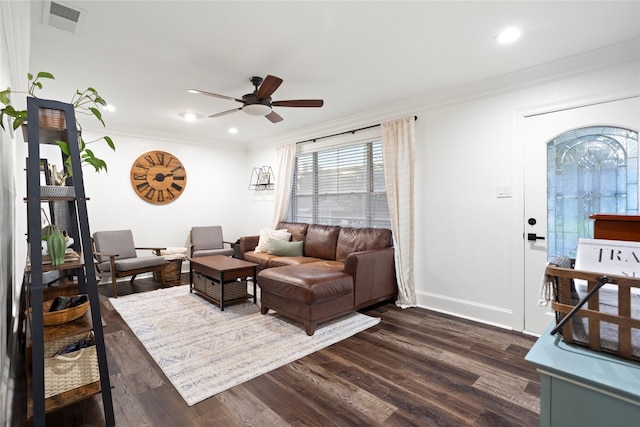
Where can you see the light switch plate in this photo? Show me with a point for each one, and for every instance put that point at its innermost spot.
(503, 190)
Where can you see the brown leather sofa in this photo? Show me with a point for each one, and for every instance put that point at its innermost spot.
(341, 269)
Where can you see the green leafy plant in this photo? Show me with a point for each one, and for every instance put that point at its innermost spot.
(86, 102)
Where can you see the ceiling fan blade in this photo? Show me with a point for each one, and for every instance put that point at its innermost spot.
(299, 103)
(268, 86)
(274, 117)
(225, 112)
(215, 95)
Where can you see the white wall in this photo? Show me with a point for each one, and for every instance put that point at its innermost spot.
(463, 232)
(215, 176)
(469, 244)
(217, 180)
(470, 262)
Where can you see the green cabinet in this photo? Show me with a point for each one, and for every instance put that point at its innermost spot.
(580, 387)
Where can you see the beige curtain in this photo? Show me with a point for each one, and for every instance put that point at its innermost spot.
(286, 157)
(398, 141)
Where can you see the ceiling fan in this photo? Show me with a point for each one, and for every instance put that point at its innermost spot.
(259, 103)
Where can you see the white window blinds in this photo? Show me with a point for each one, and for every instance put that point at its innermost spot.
(340, 186)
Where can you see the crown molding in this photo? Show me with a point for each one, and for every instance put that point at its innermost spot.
(584, 63)
(170, 137)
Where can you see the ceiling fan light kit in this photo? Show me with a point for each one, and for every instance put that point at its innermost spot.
(256, 109)
(258, 103)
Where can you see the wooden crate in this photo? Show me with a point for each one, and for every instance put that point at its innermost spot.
(609, 321)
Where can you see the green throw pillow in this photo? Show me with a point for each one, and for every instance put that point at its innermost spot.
(280, 248)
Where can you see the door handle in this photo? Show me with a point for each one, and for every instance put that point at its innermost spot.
(533, 237)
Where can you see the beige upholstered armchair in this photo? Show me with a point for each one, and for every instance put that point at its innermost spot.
(115, 255)
(208, 241)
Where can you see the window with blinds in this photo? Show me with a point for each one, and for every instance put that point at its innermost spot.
(340, 186)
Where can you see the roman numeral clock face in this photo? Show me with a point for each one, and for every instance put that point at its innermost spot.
(158, 177)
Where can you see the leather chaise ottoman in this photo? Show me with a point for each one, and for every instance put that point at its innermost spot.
(339, 270)
(308, 295)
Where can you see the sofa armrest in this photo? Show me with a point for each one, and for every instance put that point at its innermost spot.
(247, 244)
(374, 276)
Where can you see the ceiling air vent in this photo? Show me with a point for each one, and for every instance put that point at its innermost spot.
(61, 16)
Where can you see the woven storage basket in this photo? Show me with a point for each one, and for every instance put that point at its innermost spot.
(57, 191)
(50, 118)
(172, 270)
(69, 371)
(54, 346)
(232, 290)
(609, 321)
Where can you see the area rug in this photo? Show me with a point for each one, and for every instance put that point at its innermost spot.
(204, 351)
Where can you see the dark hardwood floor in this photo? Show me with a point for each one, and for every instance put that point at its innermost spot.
(415, 368)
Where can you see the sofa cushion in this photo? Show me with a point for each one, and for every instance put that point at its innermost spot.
(297, 229)
(260, 258)
(280, 261)
(280, 248)
(320, 241)
(266, 234)
(361, 239)
(327, 265)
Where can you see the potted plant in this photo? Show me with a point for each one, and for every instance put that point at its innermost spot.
(86, 102)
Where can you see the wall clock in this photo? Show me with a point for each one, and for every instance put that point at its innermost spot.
(158, 177)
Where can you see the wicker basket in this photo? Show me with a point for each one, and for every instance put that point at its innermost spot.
(172, 269)
(232, 290)
(69, 371)
(53, 119)
(57, 191)
(62, 316)
(609, 321)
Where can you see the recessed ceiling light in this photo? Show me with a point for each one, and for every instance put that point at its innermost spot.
(509, 35)
(233, 130)
(190, 117)
(109, 108)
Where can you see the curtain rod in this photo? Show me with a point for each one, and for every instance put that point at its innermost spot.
(343, 133)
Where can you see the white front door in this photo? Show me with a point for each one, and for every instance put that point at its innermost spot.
(538, 130)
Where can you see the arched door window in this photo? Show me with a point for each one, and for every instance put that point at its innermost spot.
(589, 170)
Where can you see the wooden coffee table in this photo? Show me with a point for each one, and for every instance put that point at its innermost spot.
(222, 270)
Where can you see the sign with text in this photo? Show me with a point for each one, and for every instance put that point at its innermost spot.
(617, 257)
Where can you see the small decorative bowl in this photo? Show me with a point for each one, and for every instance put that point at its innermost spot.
(62, 316)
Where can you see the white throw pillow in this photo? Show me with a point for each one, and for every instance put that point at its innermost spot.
(266, 234)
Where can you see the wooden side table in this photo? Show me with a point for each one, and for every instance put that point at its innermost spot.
(222, 270)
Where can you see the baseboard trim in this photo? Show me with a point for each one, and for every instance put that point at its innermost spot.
(470, 310)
